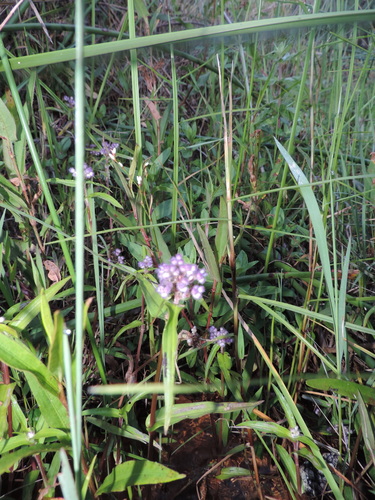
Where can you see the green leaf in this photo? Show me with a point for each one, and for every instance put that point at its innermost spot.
(155, 303)
(287, 410)
(234, 30)
(128, 431)
(16, 354)
(316, 219)
(221, 238)
(158, 237)
(52, 409)
(140, 8)
(169, 353)
(267, 427)
(196, 410)
(229, 472)
(8, 129)
(55, 352)
(42, 383)
(46, 317)
(106, 197)
(7, 461)
(28, 313)
(367, 430)
(209, 255)
(6, 391)
(137, 472)
(66, 478)
(344, 388)
(288, 463)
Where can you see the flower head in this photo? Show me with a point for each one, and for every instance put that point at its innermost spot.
(179, 279)
(146, 263)
(109, 149)
(222, 332)
(87, 171)
(69, 101)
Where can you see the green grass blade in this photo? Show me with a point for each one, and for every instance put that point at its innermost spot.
(316, 220)
(193, 35)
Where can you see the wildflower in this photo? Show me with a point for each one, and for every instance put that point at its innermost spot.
(294, 432)
(145, 263)
(87, 171)
(116, 254)
(214, 333)
(69, 101)
(179, 278)
(109, 149)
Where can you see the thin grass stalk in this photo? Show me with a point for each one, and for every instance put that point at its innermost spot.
(135, 86)
(98, 276)
(228, 142)
(176, 137)
(79, 94)
(69, 388)
(290, 147)
(34, 155)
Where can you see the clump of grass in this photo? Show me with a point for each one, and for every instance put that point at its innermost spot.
(151, 148)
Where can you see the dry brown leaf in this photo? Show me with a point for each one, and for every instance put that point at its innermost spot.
(154, 110)
(53, 271)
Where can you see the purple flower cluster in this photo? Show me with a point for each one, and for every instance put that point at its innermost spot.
(117, 254)
(69, 101)
(214, 333)
(87, 171)
(109, 149)
(146, 263)
(178, 279)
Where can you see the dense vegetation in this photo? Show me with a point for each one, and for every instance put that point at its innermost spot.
(187, 249)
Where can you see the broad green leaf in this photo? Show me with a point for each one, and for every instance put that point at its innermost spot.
(169, 353)
(6, 391)
(46, 317)
(344, 388)
(52, 409)
(106, 197)
(209, 255)
(155, 304)
(7, 124)
(316, 219)
(55, 351)
(229, 472)
(7, 461)
(128, 431)
(25, 439)
(284, 403)
(196, 410)
(137, 472)
(288, 463)
(28, 313)
(267, 427)
(16, 354)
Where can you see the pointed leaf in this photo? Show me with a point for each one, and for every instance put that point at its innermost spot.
(137, 472)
